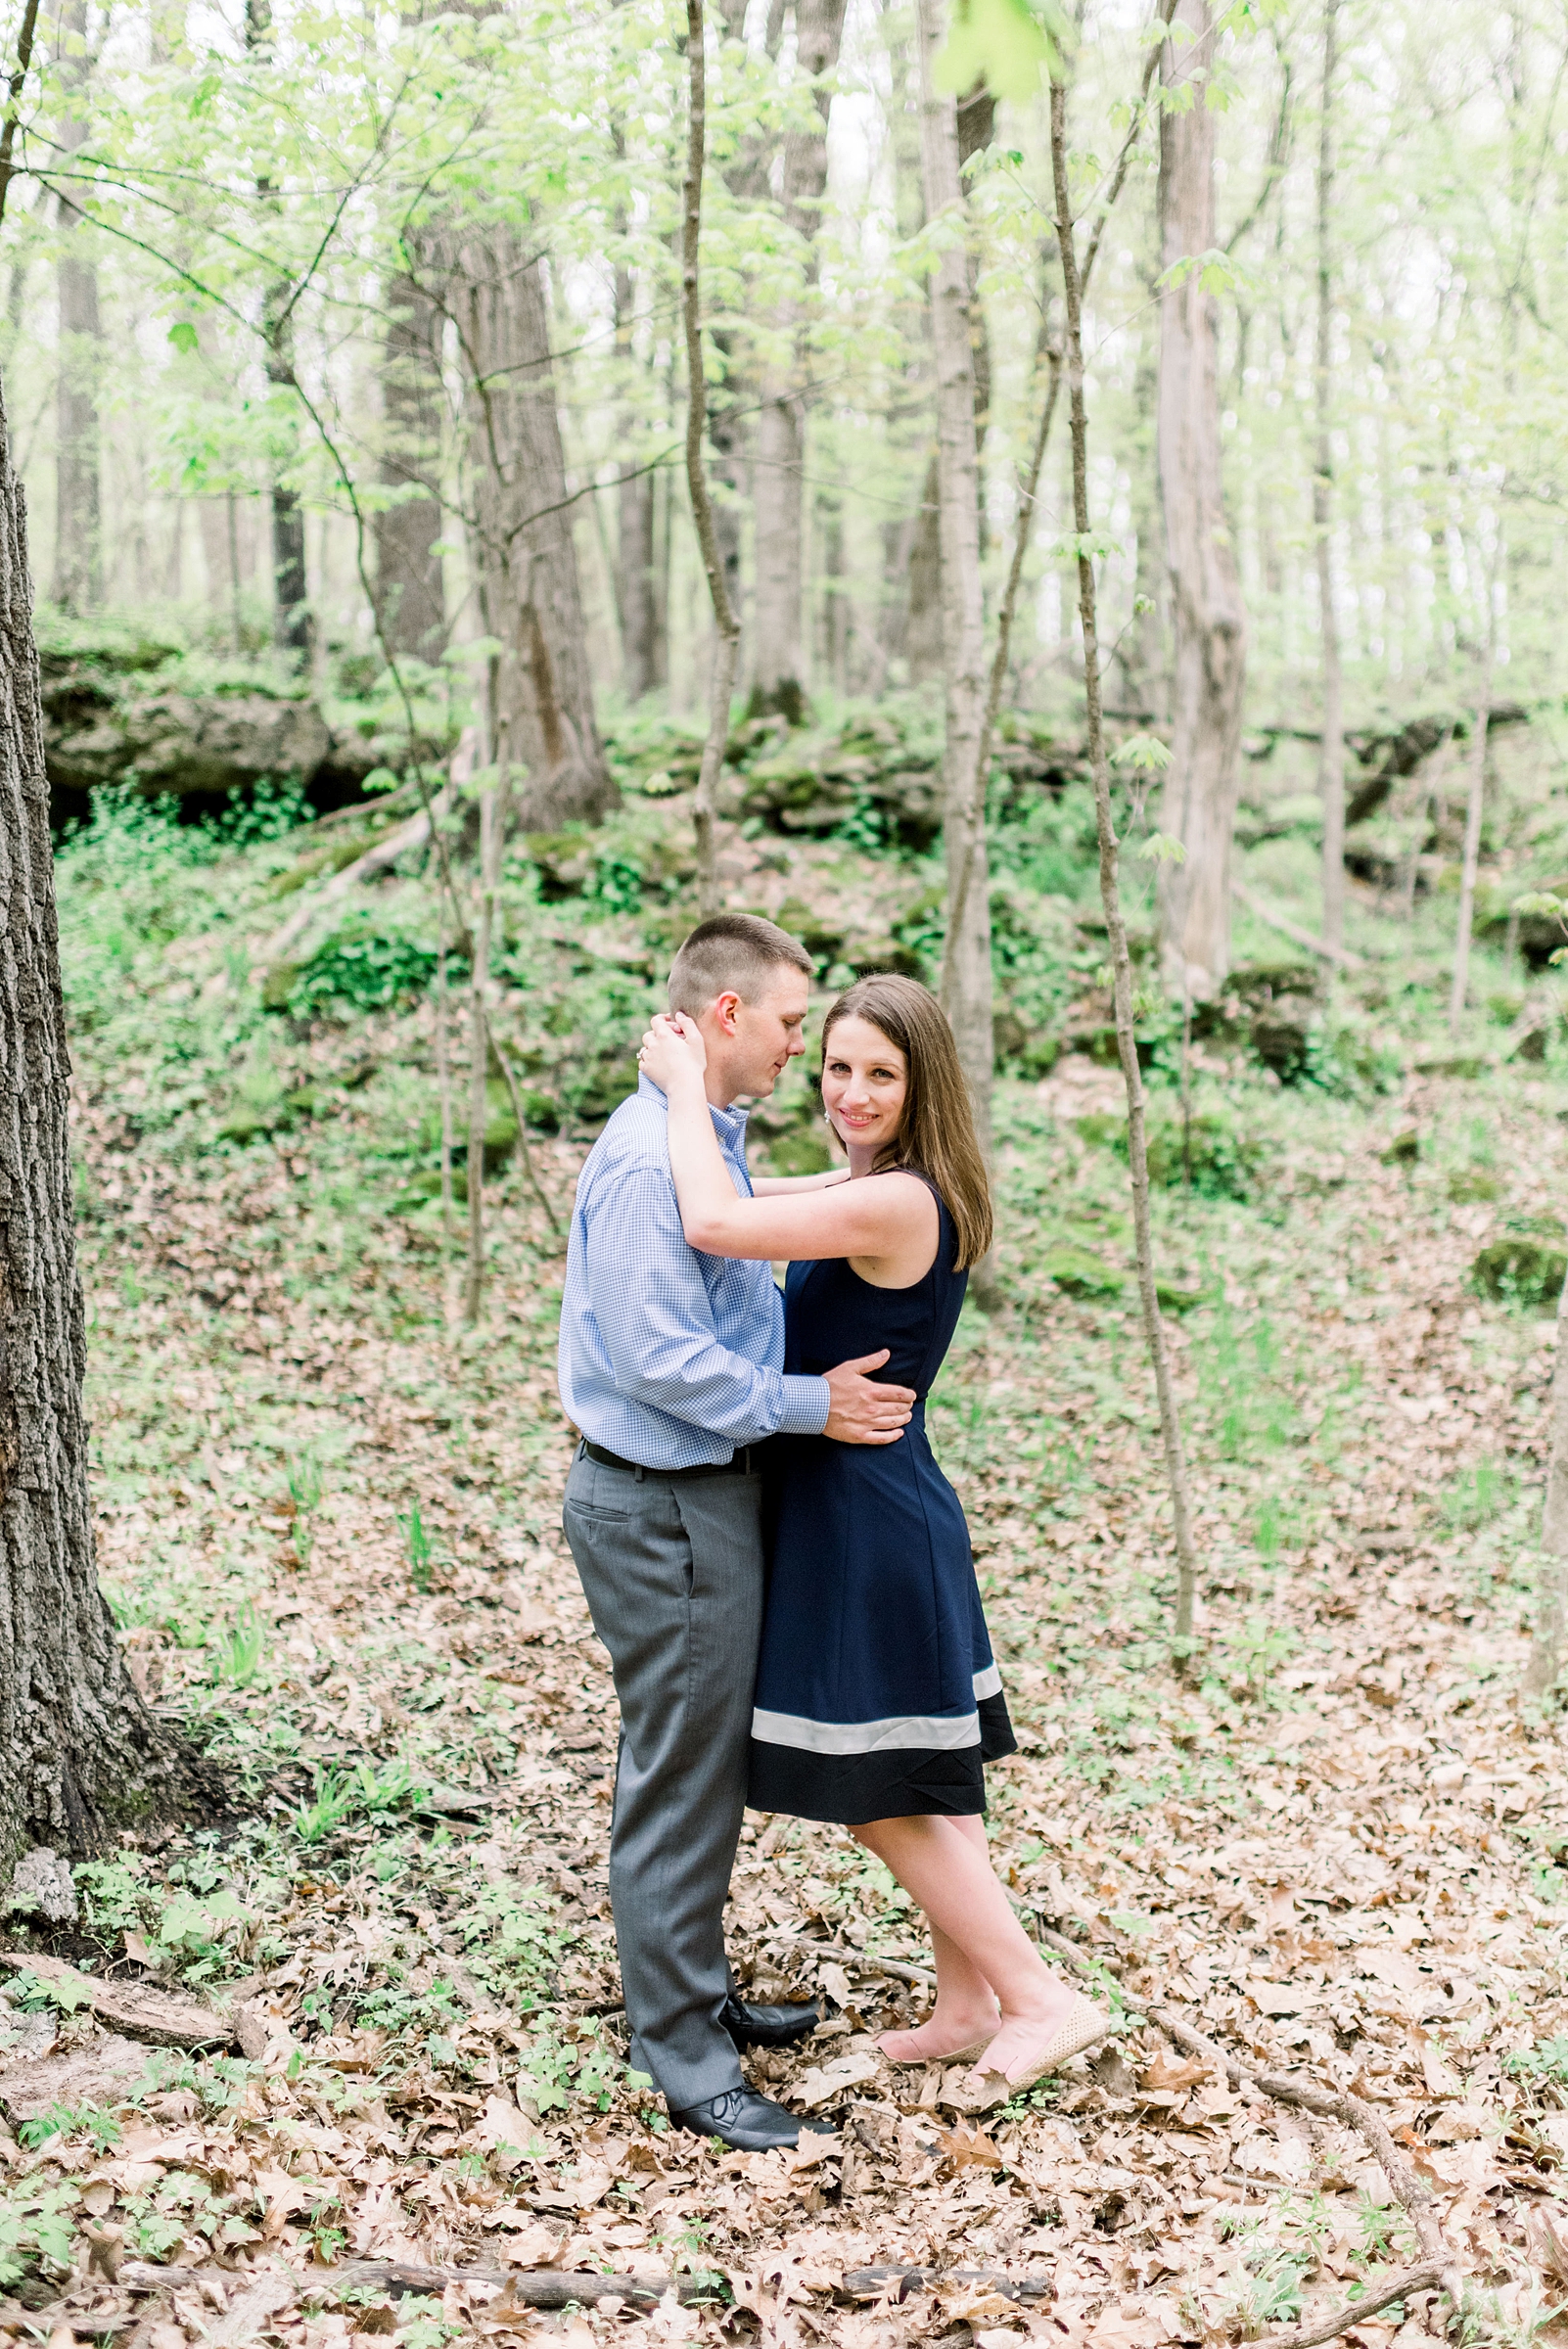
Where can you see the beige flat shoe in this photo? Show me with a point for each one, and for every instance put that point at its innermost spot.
(1085, 2026)
(911, 2063)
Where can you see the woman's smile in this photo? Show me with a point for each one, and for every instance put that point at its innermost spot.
(865, 1083)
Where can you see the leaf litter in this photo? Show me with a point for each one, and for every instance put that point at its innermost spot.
(1331, 1853)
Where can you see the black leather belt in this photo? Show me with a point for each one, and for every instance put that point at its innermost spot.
(739, 1465)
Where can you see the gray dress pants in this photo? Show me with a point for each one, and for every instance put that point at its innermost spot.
(672, 1572)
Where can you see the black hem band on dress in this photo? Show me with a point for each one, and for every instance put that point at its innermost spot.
(849, 1790)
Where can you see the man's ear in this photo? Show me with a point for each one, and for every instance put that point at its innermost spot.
(724, 1009)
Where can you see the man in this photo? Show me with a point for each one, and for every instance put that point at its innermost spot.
(670, 1372)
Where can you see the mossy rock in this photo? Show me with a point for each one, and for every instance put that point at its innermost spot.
(1404, 1150)
(252, 1116)
(600, 1087)
(541, 1110)
(1523, 1267)
(1078, 1273)
(1467, 1184)
(278, 986)
(1214, 1155)
(1173, 1299)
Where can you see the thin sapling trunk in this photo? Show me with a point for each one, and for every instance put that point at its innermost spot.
(966, 967)
(726, 626)
(1110, 898)
(443, 1084)
(478, 1066)
(1331, 752)
(1474, 806)
(1551, 1590)
(1048, 355)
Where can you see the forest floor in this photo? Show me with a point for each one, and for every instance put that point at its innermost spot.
(330, 1530)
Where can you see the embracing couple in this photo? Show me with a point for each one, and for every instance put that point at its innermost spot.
(777, 1566)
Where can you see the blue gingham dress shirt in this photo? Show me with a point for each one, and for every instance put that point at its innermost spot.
(669, 1356)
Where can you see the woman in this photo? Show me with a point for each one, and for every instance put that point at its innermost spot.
(877, 1699)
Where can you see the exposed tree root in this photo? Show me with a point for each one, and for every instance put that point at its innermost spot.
(1439, 2266)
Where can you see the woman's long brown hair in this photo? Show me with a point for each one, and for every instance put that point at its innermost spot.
(937, 1136)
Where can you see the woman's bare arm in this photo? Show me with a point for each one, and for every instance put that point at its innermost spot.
(790, 1186)
(873, 1218)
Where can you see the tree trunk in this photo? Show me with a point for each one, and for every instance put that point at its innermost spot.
(524, 549)
(1331, 752)
(642, 664)
(1208, 618)
(1110, 898)
(920, 632)
(80, 1754)
(966, 982)
(293, 628)
(1475, 806)
(79, 583)
(778, 665)
(1551, 1589)
(977, 127)
(726, 619)
(408, 569)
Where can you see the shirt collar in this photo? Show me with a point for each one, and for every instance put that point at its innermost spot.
(728, 1123)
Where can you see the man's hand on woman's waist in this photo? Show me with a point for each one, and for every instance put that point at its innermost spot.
(859, 1410)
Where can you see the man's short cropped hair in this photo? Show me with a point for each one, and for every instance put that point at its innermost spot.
(734, 950)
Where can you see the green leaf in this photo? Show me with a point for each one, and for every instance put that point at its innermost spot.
(1145, 752)
(1539, 901)
(182, 334)
(1091, 543)
(1002, 43)
(1163, 848)
(1216, 272)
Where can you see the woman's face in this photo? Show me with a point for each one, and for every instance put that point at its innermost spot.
(865, 1083)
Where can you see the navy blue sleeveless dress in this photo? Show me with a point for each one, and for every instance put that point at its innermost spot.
(877, 1695)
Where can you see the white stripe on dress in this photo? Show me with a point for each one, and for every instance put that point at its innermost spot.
(935, 1733)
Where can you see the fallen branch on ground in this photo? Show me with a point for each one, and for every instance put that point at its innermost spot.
(869, 2283)
(1297, 935)
(273, 2289)
(1439, 2268)
(920, 1975)
(145, 2009)
(1292, 929)
(381, 854)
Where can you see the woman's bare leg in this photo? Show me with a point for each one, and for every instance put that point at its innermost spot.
(947, 1869)
(965, 2004)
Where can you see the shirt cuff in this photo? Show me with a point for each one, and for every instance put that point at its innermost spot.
(805, 1406)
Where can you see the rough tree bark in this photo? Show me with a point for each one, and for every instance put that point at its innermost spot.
(79, 583)
(966, 980)
(408, 569)
(1331, 751)
(778, 502)
(642, 643)
(531, 595)
(1110, 898)
(726, 623)
(80, 1754)
(292, 625)
(1209, 622)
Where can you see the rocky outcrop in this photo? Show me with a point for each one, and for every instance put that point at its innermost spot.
(105, 724)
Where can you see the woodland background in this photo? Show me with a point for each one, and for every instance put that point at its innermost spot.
(346, 370)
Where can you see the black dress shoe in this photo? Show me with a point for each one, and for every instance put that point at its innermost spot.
(747, 2122)
(768, 2026)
